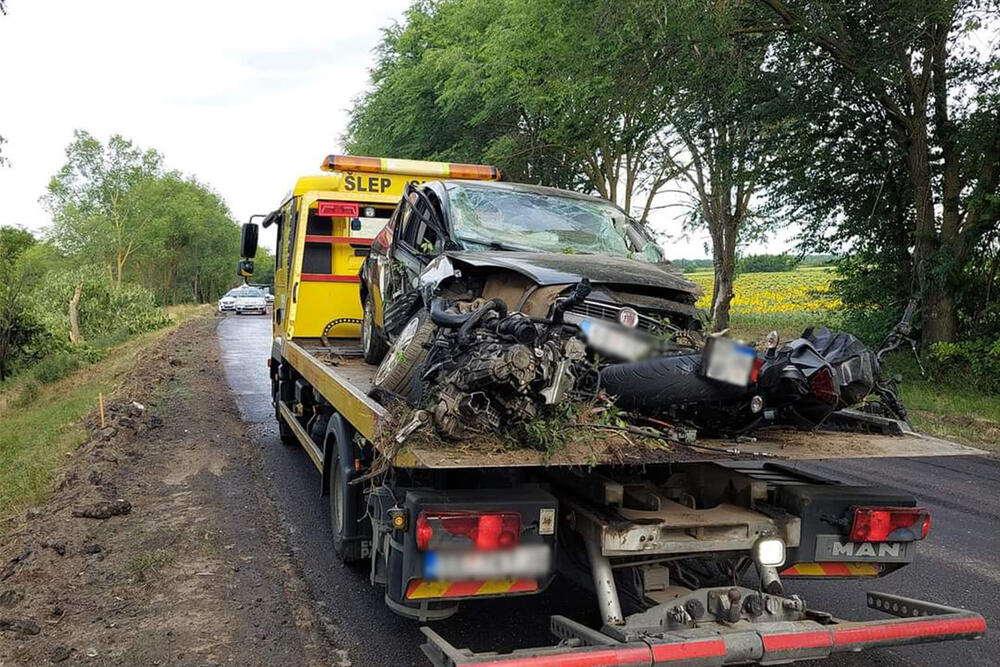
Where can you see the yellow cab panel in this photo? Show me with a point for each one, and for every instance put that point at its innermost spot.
(326, 226)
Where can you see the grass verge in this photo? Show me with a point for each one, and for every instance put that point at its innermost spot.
(947, 407)
(36, 435)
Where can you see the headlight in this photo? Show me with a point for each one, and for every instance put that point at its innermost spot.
(769, 552)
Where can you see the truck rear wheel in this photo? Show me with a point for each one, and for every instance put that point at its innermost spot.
(347, 550)
(373, 342)
(407, 354)
(346, 500)
(284, 430)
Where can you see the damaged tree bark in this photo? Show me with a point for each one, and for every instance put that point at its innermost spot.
(74, 315)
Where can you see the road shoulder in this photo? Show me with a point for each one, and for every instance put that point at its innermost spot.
(158, 545)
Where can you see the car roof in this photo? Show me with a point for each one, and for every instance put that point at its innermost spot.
(527, 187)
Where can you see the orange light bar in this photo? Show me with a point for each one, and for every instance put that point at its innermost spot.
(479, 172)
(381, 165)
(352, 163)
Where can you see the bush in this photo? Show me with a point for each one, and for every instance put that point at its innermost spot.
(105, 311)
(56, 366)
(60, 364)
(29, 392)
(976, 363)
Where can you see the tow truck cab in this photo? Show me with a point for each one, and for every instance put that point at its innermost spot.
(691, 562)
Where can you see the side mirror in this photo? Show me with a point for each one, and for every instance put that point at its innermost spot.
(245, 268)
(248, 241)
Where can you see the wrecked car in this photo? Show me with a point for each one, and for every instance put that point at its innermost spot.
(515, 289)
(484, 302)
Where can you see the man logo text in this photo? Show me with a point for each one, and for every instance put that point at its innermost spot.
(867, 549)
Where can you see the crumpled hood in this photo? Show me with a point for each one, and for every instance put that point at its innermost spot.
(556, 268)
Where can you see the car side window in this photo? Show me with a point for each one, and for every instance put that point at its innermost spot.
(406, 219)
(415, 232)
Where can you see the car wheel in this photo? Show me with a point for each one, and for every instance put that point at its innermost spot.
(407, 354)
(373, 342)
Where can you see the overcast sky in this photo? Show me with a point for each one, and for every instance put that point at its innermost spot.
(246, 95)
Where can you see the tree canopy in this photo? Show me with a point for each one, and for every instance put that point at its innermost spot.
(895, 147)
(115, 205)
(874, 127)
(610, 98)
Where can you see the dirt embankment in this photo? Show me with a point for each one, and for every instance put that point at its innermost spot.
(157, 546)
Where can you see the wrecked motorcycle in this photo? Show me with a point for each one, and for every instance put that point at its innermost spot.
(801, 384)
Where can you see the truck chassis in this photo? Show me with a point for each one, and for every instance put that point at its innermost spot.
(621, 521)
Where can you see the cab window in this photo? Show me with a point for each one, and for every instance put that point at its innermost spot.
(288, 220)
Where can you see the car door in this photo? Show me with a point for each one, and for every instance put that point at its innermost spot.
(417, 238)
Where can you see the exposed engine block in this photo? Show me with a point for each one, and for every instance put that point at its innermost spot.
(497, 371)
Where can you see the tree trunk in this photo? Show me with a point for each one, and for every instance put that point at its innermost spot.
(938, 313)
(74, 315)
(724, 264)
(722, 295)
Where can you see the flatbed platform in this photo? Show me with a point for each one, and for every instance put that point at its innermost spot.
(343, 377)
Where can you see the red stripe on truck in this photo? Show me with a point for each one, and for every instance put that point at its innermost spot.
(712, 648)
(326, 278)
(791, 641)
(461, 589)
(607, 657)
(908, 630)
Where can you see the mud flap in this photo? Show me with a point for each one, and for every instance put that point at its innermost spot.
(742, 643)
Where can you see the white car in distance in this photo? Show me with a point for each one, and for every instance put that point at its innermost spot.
(250, 300)
(228, 301)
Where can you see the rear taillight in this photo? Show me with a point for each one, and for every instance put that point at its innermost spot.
(822, 387)
(483, 531)
(755, 371)
(890, 524)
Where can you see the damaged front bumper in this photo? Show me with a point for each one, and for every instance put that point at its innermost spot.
(815, 636)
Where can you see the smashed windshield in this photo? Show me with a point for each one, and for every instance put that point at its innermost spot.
(518, 220)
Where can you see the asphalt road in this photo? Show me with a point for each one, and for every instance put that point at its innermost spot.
(958, 565)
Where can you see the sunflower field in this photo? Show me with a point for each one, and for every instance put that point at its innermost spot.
(787, 299)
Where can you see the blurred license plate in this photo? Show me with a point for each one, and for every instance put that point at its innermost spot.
(525, 561)
(614, 341)
(727, 361)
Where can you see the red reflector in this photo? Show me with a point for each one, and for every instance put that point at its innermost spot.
(484, 531)
(821, 386)
(337, 209)
(885, 524)
(755, 371)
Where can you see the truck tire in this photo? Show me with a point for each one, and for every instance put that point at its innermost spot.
(373, 342)
(407, 354)
(346, 501)
(284, 430)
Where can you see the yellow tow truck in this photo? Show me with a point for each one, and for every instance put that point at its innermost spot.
(663, 538)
